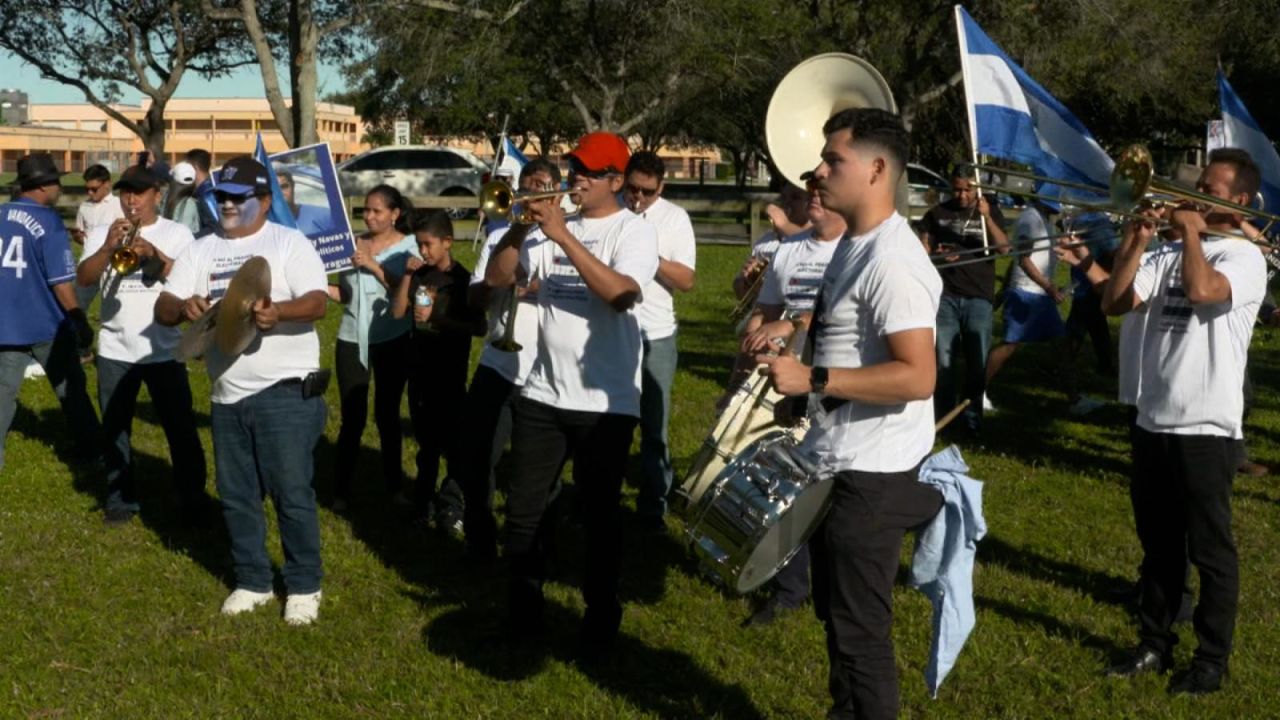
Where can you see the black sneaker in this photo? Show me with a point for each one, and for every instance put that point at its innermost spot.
(1199, 679)
(115, 517)
(767, 615)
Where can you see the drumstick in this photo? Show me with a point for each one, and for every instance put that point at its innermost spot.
(796, 340)
(955, 412)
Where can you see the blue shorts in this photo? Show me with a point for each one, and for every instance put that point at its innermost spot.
(1030, 317)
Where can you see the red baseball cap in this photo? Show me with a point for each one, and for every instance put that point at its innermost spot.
(601, 152)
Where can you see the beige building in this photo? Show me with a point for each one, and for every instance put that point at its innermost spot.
(79, 134)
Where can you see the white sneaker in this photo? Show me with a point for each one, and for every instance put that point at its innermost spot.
(33, 370)
(302, 609)
(241, 601)
(1086, 405)
(986, 404)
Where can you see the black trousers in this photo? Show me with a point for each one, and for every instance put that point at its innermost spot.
(1181, 495)
(437, 399)
(791, 584)
(599, 442)
(389, 362)
(1086, 317)
(486, 427)
(855, 560)
(118, 386)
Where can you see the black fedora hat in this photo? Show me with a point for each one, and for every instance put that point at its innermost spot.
(36, 171)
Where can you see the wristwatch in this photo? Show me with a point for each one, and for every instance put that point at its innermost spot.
(818, 379)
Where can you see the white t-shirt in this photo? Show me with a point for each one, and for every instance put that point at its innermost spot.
(1193, 356)
(588, 353)
(514, 366)
(129, 331)
(793, 278)
(675, 243)
(1031, 231)
(877, 284)
(1132, 327)
(93, 215)
(766, 246)
(291, 349)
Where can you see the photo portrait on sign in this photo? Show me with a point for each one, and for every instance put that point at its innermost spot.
(309, 186)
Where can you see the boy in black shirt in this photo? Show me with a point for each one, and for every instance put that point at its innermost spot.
(964, 315)
(443, 325)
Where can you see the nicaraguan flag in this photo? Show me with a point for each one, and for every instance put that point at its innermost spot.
(1012, 117)
(510, 160)
(1240, 131)
(280, 212)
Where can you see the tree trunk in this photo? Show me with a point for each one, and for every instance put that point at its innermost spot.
(152, 129)
(304, 38)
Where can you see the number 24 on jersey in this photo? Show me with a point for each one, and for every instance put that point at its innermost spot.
(12, 256)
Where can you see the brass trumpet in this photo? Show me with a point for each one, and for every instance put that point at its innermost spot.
(507, 343)
(498, 199)
(124, 259)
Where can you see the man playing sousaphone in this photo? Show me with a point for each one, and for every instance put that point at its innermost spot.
(267, 411)
(871, 413)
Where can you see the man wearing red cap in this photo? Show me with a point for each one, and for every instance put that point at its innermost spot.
(582, 395)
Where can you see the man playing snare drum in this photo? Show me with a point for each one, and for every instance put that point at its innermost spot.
(870, 404)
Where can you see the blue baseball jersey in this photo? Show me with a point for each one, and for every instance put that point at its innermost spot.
(35, 254)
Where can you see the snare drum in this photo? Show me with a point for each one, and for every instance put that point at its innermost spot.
(747, 418)
(758, 512)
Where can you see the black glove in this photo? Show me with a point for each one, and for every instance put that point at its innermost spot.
(82, 329)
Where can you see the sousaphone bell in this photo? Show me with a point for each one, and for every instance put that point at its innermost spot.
(807, 97)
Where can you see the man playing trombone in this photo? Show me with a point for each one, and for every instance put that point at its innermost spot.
(1201, 296)
(964, 317)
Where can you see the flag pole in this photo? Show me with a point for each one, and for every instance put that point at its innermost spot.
(493, 175)
(962, 44)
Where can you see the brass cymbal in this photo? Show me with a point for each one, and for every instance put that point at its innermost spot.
(198, 336)
(234, 329)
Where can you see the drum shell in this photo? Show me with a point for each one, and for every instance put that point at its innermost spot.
(748, 417)
(758, 512)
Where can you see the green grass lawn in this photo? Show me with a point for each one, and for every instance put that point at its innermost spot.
(123, 623)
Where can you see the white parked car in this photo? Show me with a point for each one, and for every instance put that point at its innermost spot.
(926, 187)
(414, 170)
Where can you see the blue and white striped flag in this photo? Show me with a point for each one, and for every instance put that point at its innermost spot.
(1012, 117)
(1241, 131)
(280, 213)
(510, 160)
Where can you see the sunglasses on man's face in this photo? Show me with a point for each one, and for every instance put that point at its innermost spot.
(95, 189)
(637, 190)
(221, 197)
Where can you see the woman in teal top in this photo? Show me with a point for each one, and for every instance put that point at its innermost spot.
(372, 343)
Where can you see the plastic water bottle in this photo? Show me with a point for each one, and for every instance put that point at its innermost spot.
(422, 299)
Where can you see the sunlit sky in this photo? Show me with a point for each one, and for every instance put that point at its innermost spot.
(245, 82)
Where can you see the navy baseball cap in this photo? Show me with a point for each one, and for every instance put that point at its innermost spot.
(242, 176)
(137, 178)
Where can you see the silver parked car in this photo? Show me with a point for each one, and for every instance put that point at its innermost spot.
(415, 170)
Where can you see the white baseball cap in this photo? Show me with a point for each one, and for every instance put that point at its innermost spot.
(184, 173)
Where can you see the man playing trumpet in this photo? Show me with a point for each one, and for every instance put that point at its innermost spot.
(133, 349)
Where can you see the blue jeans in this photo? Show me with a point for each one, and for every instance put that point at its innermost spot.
(263, 445)
(118, 386)
(657, 374)
(61, 363)
(964, 326)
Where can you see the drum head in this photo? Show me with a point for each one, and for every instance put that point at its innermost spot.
(781, 541)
